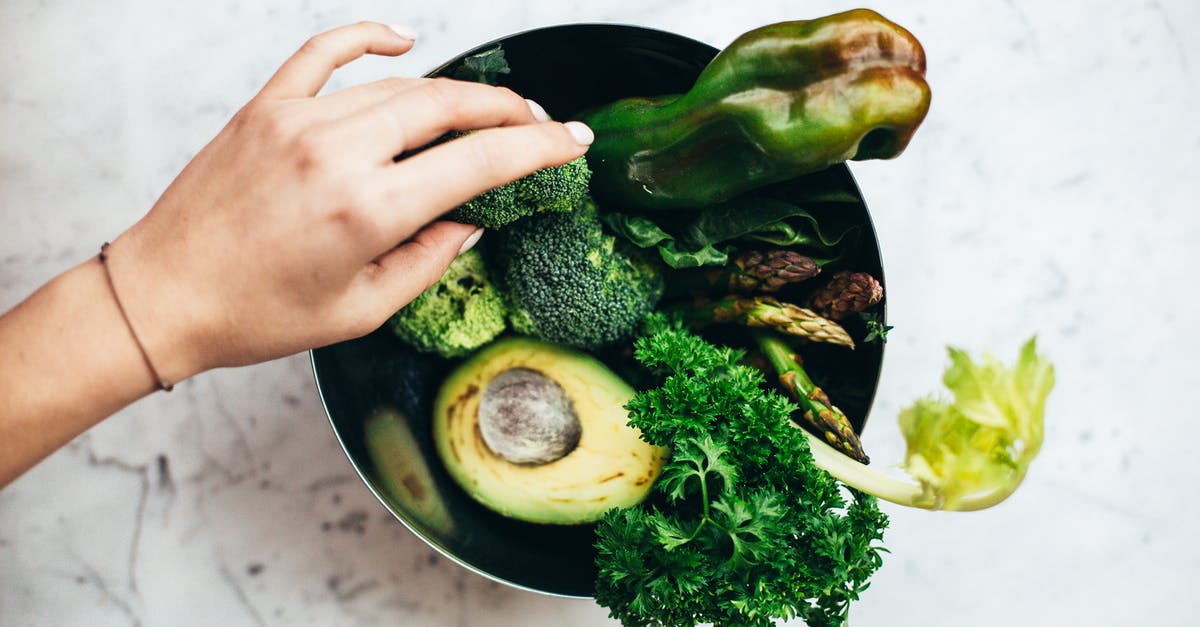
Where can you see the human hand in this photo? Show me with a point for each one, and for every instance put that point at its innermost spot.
(294, 228)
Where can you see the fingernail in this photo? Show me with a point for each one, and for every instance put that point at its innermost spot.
(472, 239)
(539, 113)
(405, 32)
(581, 133)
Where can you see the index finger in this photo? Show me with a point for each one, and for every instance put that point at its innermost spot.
(441, 178)
(307, 71)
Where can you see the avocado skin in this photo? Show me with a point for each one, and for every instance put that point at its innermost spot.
(610, 467)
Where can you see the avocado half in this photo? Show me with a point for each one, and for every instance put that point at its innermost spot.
(551, 444)
(402, 470)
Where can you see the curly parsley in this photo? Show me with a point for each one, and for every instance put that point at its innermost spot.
(744, 529)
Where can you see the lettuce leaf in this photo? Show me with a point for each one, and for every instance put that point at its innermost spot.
(705, 237)
(984, 439)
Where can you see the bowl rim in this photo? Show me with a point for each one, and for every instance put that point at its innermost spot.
(358, 468)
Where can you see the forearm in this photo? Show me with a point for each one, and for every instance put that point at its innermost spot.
(69, 360)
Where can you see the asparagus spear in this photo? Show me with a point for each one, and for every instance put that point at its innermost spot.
(815, 407)
(748, 272)
(753, 271)
(845, 293)
(764, 311)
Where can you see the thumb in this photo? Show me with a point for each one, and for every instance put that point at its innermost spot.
(394, 279)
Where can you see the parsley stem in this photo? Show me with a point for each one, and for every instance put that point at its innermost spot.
(704, 518)
(703, 501)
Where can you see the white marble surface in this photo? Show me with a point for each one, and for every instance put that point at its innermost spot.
(1052, 190)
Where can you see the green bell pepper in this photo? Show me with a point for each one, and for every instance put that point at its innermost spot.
(780, 101)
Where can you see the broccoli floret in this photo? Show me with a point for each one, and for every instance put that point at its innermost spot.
(569, 282)
(458, 314)
(560, 188)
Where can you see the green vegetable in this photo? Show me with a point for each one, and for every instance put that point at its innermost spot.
(752, 271)
(402, 471)
(559, 188)
(845, 293)
(643, 232)
(458, 314)
(702, 237)
(766, 312)
(747, 529)
(779, 101)
(482, 67)
(552, 189)
(748, 272)
(815, 407)
(968, 453)
(877, 329)
(571, 283)
(536, 432)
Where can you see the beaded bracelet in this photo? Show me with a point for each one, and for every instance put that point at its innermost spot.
(162, 383)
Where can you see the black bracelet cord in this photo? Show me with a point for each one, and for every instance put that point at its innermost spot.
(162, 383)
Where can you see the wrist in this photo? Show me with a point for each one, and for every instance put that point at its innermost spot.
(162, 383)
(84, 296)
(157, 310)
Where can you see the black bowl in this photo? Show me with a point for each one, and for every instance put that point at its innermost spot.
(566, 69)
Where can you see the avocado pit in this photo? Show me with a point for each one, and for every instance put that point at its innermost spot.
(527, 418)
